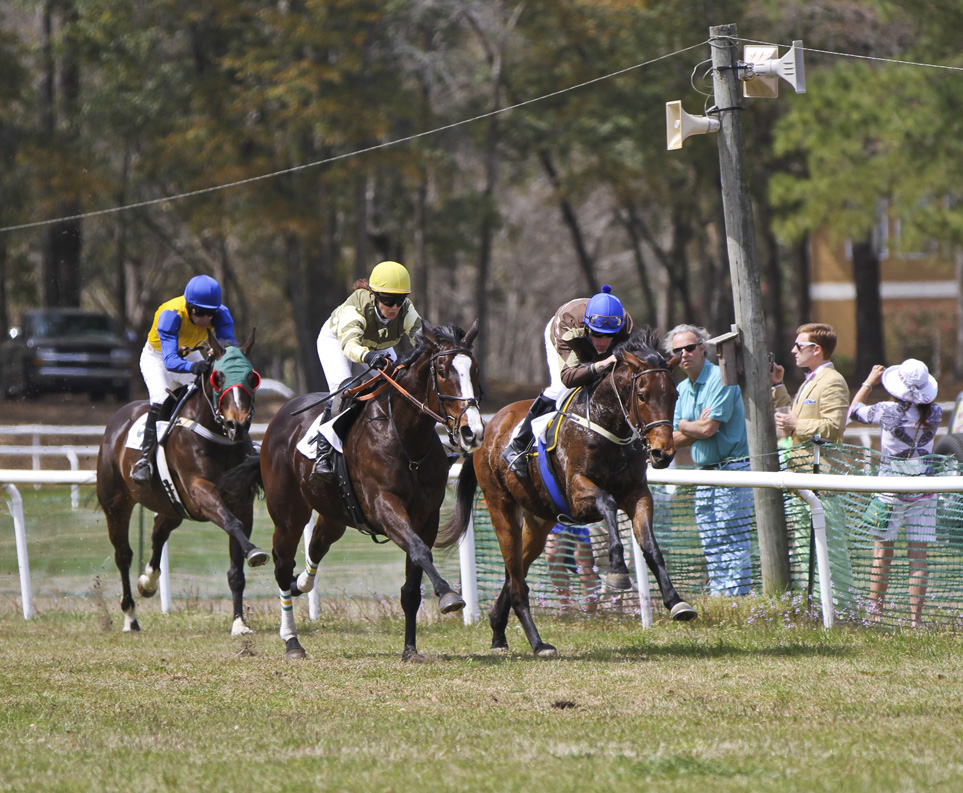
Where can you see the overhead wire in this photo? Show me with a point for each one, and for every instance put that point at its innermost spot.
(345, 155)
(446, 127)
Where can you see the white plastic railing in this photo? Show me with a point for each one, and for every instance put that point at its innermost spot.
(801, 484)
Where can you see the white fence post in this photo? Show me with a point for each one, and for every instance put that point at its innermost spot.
(642, 581)
(165, 580)
(822, 554)
(23, 561)
(314, 605)
(469, 575)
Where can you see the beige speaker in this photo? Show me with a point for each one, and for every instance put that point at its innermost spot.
(765, 70)
(679, 125)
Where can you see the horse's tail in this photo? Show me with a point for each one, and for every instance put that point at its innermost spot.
(464, 501)
(243, 481)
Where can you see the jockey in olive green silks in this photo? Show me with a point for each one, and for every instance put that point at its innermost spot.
(361, 333)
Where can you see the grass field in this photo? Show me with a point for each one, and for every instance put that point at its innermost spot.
(754, 696)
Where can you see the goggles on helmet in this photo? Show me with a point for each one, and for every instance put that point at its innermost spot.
(601, 323)
(390, 300)
(198, 311)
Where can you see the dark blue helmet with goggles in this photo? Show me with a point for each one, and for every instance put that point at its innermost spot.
(604, 313)
(204, 292)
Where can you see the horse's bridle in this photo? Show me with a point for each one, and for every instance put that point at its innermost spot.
(639, 428)
(219, 396)
(448, 421)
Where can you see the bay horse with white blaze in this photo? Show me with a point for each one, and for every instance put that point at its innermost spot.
(208, 438)
(607, 433)
(397, 466)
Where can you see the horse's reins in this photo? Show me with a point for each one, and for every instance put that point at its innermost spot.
(639, 428)
(447, 421)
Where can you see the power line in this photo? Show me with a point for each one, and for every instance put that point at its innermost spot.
(436, 130)
(896, 61)
(346, 155)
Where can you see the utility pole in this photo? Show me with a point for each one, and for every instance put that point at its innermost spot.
(747, 297)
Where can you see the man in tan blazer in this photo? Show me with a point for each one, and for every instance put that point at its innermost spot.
(820, 405)
(819, 408)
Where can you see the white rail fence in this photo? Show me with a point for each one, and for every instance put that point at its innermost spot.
(803, 485)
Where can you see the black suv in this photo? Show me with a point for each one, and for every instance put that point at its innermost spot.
(66, 349)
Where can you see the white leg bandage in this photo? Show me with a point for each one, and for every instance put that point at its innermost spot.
(288, 628)
(306, 578)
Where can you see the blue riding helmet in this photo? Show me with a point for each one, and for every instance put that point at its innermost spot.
(604, 313)
(204, 292)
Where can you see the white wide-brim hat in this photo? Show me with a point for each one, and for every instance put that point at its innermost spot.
(911, 381)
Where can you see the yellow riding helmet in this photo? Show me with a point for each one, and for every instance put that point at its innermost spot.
(391, 278)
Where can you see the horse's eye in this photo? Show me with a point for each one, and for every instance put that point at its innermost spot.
(643, 397)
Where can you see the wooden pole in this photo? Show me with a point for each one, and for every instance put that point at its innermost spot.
(747, 297)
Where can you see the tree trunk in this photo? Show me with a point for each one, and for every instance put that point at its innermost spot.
(869, 309)
(62, 242)
(570, 219)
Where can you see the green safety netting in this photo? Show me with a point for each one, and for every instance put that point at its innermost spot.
(574, 583)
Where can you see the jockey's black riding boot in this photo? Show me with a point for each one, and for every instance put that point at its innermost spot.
(143, 470)
(517, 452)
(323, 470)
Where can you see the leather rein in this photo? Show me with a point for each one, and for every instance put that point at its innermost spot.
(633, 419)
(448, 421)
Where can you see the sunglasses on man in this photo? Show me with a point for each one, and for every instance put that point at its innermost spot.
(197, 311)
(390, 300)
(799, 345)
(686, 348)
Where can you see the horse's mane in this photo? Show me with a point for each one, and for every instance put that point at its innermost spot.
(450, 333)
(643, 343)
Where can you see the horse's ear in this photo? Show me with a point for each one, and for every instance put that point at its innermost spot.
(216, 346)
(428, 332)
(631, 360)
(246, 347)
(472, 333)
(673, 362)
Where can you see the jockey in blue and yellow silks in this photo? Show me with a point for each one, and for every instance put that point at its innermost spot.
(179, 324)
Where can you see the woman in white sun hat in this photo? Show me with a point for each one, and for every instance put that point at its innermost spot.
(907, 431)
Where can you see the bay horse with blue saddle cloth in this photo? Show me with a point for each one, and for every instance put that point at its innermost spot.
(205, 439)
(606, 435)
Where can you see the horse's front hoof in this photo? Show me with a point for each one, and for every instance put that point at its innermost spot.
(451, 602)
(240, 628)
(146, 587)
(499, 646)
(131, 626)
(546, 651)
(683, 612)
(293, 649)
(256, 557)
(617, 582)
(411, 655)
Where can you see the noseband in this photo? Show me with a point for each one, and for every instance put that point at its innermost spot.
(639, 428)
(450, 422)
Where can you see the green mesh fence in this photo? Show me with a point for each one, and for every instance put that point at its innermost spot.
(936, 574)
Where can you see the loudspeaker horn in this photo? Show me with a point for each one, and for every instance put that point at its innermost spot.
(679, 125)
(765, 70)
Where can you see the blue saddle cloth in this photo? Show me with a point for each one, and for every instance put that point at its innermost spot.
(553, 487)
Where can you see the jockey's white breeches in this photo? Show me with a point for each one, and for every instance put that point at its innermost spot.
(158, 378)
(555, 388)
(336, 367)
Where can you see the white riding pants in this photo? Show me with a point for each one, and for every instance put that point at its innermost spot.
(158, 378)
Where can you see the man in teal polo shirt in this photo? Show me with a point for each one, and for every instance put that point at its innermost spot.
(709, 418)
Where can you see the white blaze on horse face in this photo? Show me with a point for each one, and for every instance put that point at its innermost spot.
(462, 365)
